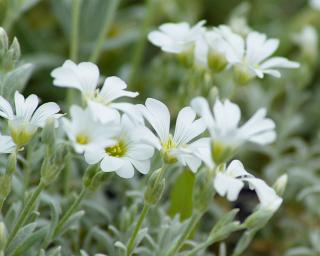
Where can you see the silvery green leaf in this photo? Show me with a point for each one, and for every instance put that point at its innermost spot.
(301, 251)
(30, 240)
(55, 251)
(141, 235)
(72, 220)
(16, 80)
(121, 247)
(22, 236)
(84, 253)
(11, 215)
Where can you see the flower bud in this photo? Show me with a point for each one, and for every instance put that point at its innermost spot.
(15, 50)
(281, 184)
(258, 219)
(242, 75)
(155, 187)
(53, 164)
(221, 153)
(203, 190)
(186, 58)
(12, 163)
(93, 177)
(217, 61)
(5, 186)
(225, 226)
(48, 132)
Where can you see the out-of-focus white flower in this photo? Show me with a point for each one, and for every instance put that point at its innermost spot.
(27, 117)
(176, 37)
(210, 50)
(178, 147)
(251, 57)
(83, 131)
(6, 144)
(230, 181)
(85, 77)
(223, 125)
(124, 153)
(308, 40)
(315, 4)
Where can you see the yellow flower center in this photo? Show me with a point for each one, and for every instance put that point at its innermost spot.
(82, 139)
(118, 150)
(169, 144)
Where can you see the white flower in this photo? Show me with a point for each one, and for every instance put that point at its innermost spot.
(85, 132)
(226, 182)
(176, 37)
(223, 123)
(252, 54)
(6, 144)
(230, 182)
(27, 117)
(125, 153)
(179, 146)
(308, 40)
(211, 50)
(85, 77)
(315, 4)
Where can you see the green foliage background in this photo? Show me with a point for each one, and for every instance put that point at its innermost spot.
(43, 30)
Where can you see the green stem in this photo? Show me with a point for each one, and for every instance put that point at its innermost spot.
(109, 17)
(70, 211)
(143, 214)
(26, 211)
(75, 16)
(186, 233)
(138, 50)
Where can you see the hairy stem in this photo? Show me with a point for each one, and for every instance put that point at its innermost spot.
(75, 17)
(26, 211)
(109, 17)
(186, 233)
(143, 214)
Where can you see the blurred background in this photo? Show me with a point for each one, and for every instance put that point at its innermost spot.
(43, 31)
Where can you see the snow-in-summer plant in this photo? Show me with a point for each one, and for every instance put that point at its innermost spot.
(155, 156)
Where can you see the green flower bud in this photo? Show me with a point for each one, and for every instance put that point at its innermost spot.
(203, 190)
(12, 164)
(242, 75)
(15, 50)
(93, 177)
(53, 164)
(225, 226)
(217, 62)
(281, 184)
(186, 58)
(48, 132)
(5, 186)
(258, 219)
(221, 153)
(155, 188)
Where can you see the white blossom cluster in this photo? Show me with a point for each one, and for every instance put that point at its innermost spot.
(122, 136)
(220, 48)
